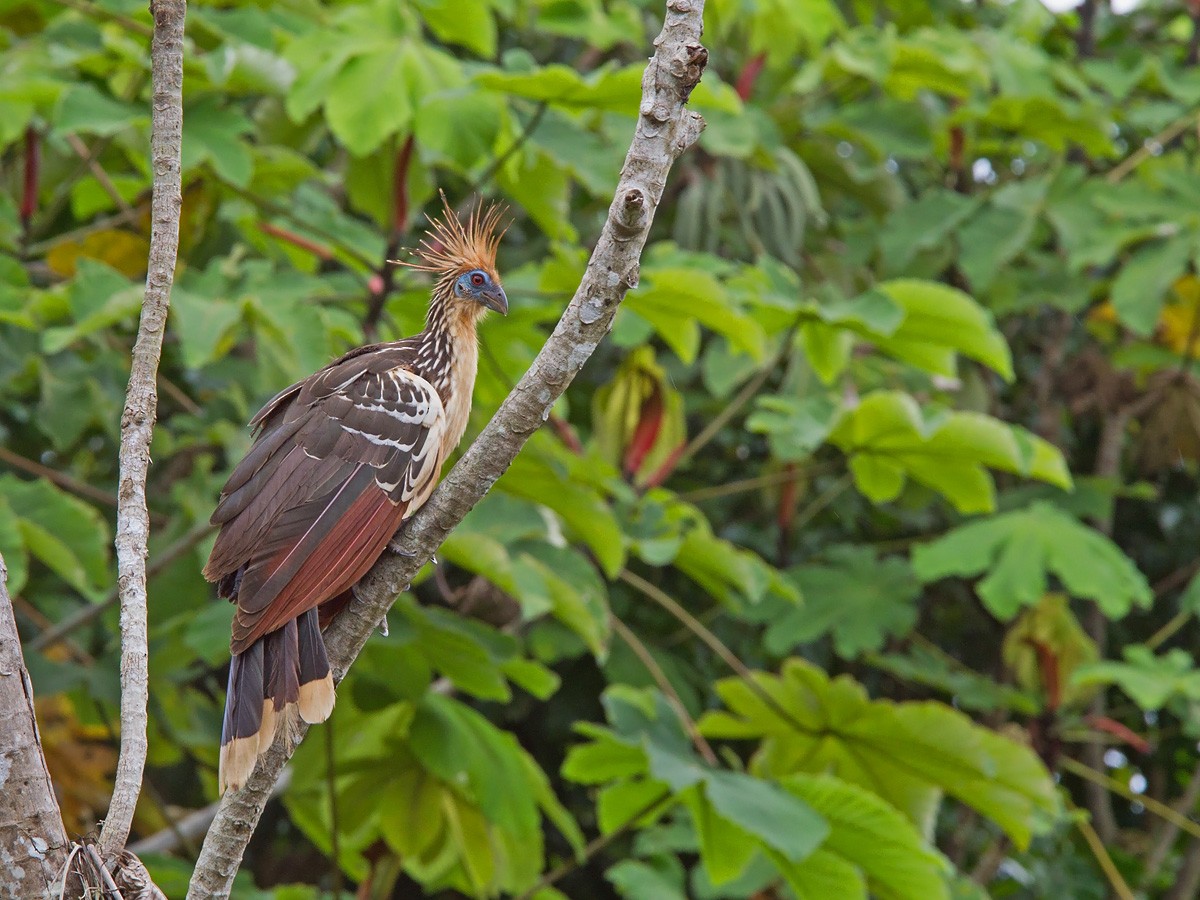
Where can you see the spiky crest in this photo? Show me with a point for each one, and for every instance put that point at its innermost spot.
(451, 248)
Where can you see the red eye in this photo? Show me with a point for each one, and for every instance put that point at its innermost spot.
(477, 280)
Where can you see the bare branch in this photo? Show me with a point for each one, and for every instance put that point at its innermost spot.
(32, 836)
(137, 422)
(665, 128)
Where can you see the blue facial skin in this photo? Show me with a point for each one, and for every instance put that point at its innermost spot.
(478, 285)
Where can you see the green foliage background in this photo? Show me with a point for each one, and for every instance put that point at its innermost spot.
(859, 562)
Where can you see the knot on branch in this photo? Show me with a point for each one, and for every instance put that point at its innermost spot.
(632, 213)
(656, 112)
(694, 60)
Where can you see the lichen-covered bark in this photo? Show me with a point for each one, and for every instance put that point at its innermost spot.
(33, 844)
(665, 128)
(141, 407)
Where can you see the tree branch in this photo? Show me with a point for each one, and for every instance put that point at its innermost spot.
(664, 130)
(137, 422)
(31, 826)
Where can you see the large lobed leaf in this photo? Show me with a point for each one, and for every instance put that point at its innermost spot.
(908, 753)
(1019, 550)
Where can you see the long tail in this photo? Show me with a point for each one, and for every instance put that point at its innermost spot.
(287, 666)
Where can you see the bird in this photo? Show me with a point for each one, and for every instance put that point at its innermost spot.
(340, 461)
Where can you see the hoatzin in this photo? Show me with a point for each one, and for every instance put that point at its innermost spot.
(340, 461)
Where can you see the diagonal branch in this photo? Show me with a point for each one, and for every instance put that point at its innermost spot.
(664, 130)
(137, 421)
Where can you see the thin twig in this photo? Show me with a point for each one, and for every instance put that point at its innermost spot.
(1169, 629)
(62, 479)
(714, 643)
(42, 621)
(823, 500)
(137, 421)
(97, 170)
(285, 212)
(675, 608)
(597, 845)
(193, 825)
(1151, 146)
(744, 485)
(1155, 807)
(107, 223)
(1165, 838)
(1107, 866)
(93, 611)
(660, 678)
(744, 396)
(518, 142)
(664, 130)
(105, 15)
(386, 274)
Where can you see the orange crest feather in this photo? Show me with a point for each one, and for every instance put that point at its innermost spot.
(451, 247)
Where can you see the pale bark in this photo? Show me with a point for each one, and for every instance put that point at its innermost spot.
(137, 422)
(665, 128)
(33, 843)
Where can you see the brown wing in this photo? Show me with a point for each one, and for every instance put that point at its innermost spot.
(340, 460)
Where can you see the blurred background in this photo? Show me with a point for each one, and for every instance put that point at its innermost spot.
(903, 417)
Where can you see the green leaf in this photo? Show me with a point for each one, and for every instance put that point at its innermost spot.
(205, 325)
(65, 534)
(670, 298)
(940, 321)
(888, 441)
(906, 752)
(795, 426)
(969, 689)
(661, 877)
(602, 760)
(212, 133)
(922, 225)
(12, 548)
(582, 510)
(1150, 681)
(825, 874)
(456, 647)
(1140, 289)
(725, 847)
(607, 88)
(875, 838)
(84, 110)
(469, 25)
(460, 124)
(360, 114)
(461, 747)
(991, 239)
(1018, 550)
(786, 824)
(859, 599)
(729, 573)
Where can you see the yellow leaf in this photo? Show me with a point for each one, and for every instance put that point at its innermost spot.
(123, 250)
(81, 761)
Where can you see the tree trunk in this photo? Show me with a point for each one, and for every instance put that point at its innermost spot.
(33, 842)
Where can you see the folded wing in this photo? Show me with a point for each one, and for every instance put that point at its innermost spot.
(341, 459)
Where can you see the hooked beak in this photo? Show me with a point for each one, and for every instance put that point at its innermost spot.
(494, 299)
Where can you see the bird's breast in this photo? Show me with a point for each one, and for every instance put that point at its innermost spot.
(461, 384)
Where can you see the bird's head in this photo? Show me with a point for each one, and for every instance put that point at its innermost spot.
(463, 256)
(481, 286)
